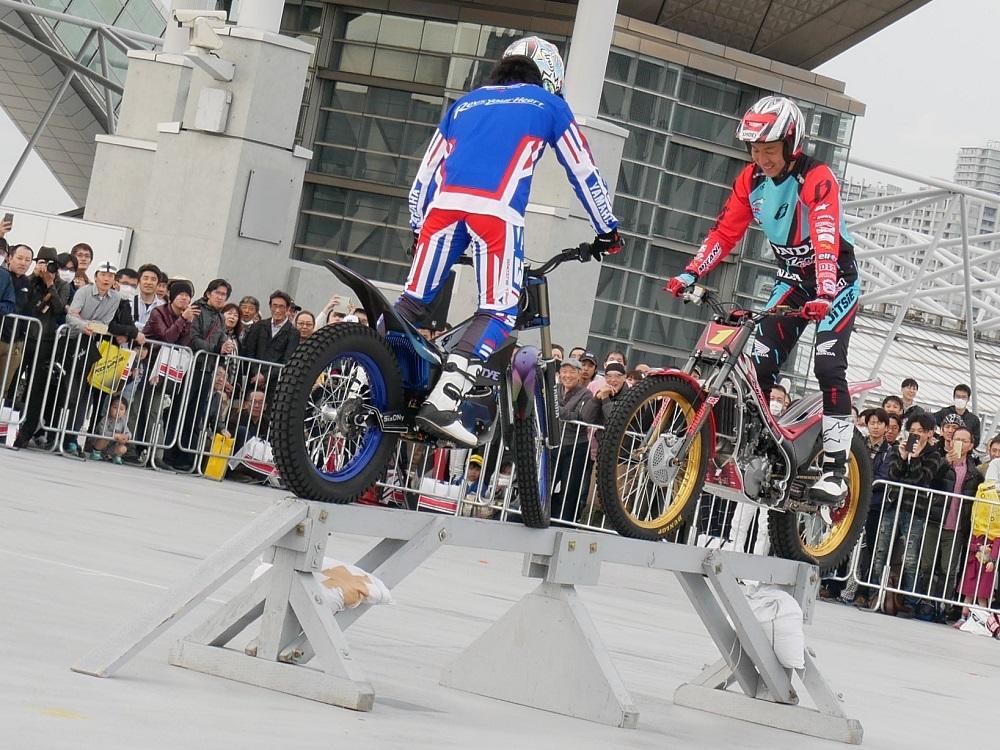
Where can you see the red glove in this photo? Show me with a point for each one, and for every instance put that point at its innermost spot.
(678, 284)
(817, 309)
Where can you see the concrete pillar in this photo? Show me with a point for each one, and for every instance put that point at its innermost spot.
(588, 54)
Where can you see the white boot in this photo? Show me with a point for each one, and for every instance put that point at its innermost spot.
(439, 414)
(831, 489)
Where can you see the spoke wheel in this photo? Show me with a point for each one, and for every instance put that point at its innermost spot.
(327, 443)
(647, 487)
(809, 538)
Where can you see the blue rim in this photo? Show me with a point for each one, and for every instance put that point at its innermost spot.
(543, 464)
(373, 435)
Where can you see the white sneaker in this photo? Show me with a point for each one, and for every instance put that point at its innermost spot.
(440, 413)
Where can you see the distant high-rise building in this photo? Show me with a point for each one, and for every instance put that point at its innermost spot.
(979, 167)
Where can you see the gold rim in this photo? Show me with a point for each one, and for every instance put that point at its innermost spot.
(632, 469)
(843, 517)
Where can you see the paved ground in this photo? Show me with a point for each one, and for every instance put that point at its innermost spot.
(84, 547)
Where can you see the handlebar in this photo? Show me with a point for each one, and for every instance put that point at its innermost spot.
(699, 295)
(583, 252)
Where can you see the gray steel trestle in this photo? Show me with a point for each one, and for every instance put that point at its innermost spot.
(301, 647)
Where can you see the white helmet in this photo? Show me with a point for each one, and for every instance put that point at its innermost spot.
(546, 58)
(773, 119)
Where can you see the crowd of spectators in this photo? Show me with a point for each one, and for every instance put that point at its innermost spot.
(937, 557)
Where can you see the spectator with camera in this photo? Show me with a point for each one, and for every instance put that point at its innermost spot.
(915, 463)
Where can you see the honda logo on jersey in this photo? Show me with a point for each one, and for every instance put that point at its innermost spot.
(826, 348)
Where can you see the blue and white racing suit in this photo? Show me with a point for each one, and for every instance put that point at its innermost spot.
(472, 190)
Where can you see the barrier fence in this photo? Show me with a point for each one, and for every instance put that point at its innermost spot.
(204, 413)
(20, 339)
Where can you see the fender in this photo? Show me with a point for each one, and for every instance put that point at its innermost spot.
(523, 374)
(381, 314)
(693, 382)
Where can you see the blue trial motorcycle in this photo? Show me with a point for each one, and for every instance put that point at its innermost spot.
(350, 392)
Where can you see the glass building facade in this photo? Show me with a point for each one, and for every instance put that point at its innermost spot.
(382, 82)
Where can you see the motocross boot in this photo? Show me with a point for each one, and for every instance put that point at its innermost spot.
(440, 414)
(831, 488)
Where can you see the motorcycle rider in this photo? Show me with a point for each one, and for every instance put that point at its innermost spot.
(794, 199)
(472, 189)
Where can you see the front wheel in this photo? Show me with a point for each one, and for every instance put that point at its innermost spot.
(647, 486)
(327, 445)
(532, 463)
(808, 538)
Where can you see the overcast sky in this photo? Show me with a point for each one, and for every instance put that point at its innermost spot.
(930, 82)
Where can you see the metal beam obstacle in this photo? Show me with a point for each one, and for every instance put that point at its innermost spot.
(544, 652)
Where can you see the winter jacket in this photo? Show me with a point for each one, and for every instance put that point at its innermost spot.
(945, 482)
(917, 471)
(167, 326)
(571, 406)
(259, 344)
(208, 330)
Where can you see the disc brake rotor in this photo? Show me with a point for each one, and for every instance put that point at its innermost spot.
(661, 460)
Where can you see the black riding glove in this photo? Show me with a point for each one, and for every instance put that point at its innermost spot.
(609, 243)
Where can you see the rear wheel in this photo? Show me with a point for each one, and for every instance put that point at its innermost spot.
(809, 538)
(645, 489)
(532, 464)
(327, 444)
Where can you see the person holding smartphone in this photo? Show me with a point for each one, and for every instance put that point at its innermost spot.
(916, 463)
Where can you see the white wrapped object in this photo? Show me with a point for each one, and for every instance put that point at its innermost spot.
(345, 586)
(781, 617)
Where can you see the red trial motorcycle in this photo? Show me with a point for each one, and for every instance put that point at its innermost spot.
(673, 437)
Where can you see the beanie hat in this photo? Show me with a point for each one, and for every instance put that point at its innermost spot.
(178, 287)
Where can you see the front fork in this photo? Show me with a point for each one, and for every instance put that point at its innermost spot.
(527, 370)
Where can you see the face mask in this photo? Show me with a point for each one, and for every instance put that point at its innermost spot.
(961, 402)
(776, 408)
(128, 293)
(66, 274)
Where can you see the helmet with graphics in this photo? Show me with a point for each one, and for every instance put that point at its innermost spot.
(546, 58)
(774, 119)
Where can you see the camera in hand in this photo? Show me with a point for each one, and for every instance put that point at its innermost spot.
(51, 266)
(911, 442)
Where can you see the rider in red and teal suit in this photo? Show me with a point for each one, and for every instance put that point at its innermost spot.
(795, 201)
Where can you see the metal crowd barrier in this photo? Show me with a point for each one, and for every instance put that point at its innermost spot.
(927, 549)
(443, 480)
(224, 415)
(20, 343)
(107, 397)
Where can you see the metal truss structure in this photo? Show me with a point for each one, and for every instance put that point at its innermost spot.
(910, 271)
(36, 30)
